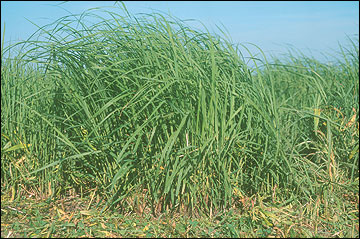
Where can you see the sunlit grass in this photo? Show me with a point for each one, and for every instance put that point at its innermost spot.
(146, 114)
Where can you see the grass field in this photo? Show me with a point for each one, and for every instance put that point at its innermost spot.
(141, 126)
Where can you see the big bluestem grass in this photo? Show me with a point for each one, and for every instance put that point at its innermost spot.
(146, 105)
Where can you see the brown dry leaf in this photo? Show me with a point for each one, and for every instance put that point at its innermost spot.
(49, 187)
(103, 225)
(352, 120)
(61, 211)
(72, 214)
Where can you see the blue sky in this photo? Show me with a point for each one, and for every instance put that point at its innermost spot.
(311, 27)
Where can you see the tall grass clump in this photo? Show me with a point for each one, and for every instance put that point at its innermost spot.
(154, 115)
